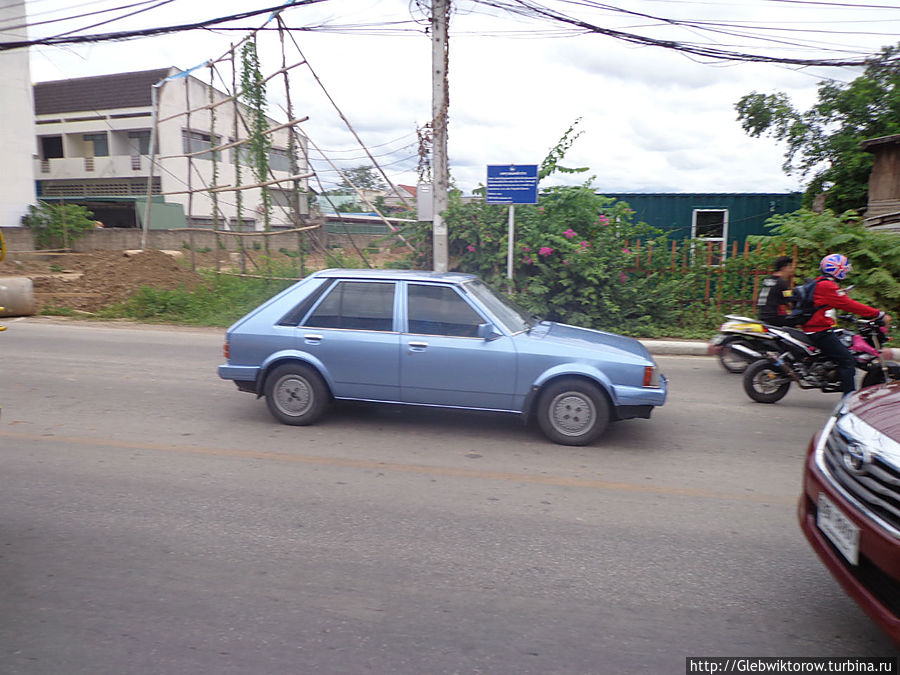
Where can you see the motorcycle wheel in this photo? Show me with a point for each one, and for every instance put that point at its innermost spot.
(765, 383)
(732, 361)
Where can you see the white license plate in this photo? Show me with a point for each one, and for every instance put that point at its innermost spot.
(839, 529)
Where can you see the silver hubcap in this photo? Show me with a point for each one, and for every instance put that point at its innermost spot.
(572, 414)
(767, 381)
(293, 395)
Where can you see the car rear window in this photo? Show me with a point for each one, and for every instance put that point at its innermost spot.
(356, 305)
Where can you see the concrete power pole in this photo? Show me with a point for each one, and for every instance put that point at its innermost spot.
(440, 103)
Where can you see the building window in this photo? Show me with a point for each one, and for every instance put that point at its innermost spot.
(139, 142)
(711, 227)
(51, 147)
(198, 141)
(99, 144)
(279, 160)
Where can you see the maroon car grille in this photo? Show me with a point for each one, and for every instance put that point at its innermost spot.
(874, 482)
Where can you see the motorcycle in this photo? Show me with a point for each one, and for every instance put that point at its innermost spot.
(739, 342)
(794, 359)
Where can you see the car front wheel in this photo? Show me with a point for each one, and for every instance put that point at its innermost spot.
(572, 412)
(296, 394)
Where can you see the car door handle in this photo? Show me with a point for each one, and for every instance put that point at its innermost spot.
(312, 339)
(418, 346)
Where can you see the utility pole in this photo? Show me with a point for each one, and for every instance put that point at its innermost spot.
(440, 103)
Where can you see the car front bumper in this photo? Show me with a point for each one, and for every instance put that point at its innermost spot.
(873, 583)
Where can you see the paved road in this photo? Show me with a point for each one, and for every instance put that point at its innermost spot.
(153, 519)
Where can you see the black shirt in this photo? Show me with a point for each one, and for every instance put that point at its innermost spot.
(774, 300)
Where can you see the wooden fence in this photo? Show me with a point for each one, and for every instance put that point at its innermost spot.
(704, 258)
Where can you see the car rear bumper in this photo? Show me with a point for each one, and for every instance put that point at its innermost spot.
(874, 583)
(245, 373)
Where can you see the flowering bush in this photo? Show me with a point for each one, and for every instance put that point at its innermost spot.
(572, 262)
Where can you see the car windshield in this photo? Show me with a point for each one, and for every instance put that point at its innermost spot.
(513, 319)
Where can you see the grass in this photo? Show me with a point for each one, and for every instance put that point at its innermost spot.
(219, 301)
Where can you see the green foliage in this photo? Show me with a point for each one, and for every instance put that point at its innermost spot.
(57, 225)
(574, 256)
(253, 94)
(875, 255)
(220, 301)
(551, 165)
(823, 142)
(363, 177)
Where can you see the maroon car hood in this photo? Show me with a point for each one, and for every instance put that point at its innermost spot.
(879, 406)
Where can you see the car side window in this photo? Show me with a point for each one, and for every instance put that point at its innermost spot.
(356, 305)
(439, 310)
(294, 317)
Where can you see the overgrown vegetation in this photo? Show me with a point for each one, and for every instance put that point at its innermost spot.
(220, 301)
(58, 225)
(581, 258)
(875, 255)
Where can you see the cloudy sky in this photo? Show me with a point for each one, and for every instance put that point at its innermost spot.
(652, 119)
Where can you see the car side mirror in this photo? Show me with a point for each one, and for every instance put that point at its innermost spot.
(486, 331)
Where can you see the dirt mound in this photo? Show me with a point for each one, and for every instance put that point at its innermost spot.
(90, 281)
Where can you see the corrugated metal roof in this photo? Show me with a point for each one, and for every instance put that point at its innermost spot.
(101, 92)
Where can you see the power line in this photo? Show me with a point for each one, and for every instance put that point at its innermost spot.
(531, 9)
(147, 32)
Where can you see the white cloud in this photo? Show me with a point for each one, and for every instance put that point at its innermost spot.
(652, 119)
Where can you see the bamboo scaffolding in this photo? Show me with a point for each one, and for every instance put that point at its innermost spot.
(229, 99)
(234, 144)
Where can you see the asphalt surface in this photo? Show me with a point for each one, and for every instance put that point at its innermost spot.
(677, 347)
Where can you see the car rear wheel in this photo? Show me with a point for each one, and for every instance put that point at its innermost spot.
(296, 394)
(765, 383)
(572, 412)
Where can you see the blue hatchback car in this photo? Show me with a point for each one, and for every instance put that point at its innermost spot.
(434, 339)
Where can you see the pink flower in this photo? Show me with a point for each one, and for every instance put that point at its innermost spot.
(622, 277)
(570, 233)
(540, 209)
(603, 220)
(527, 261)
(565, 262)
(625, 250)
(526, 249)
(545, 251)
(584, 244)
(471, 248)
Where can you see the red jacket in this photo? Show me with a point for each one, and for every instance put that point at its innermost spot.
(829, 295)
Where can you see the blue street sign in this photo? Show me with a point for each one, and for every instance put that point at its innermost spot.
(512, 184)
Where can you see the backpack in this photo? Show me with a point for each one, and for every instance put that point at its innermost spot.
(804, 308)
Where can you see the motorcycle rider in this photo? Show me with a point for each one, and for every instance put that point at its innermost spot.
(775, 292)
(829, 295)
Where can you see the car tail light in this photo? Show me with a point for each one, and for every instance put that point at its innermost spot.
(651, 376)
(226, 350)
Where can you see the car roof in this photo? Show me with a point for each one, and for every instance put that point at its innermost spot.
(396, 275)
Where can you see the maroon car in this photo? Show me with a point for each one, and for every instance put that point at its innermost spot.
(850, 507)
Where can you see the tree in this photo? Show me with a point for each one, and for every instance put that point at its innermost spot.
(365, 177)
(57, 225)
(823, 143)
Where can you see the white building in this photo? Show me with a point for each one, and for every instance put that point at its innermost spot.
(16, 120)
(93, 141)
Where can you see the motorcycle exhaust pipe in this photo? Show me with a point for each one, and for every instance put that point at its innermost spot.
(744, 350)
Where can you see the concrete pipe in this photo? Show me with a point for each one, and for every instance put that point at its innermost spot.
(16, 296)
